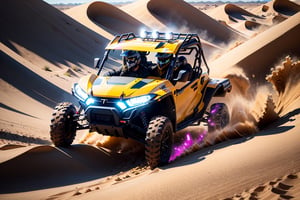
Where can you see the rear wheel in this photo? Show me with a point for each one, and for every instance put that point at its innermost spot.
(218, 117)
(63, 126)
(159, 141)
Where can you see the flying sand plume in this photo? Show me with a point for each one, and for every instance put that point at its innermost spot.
(285, 80)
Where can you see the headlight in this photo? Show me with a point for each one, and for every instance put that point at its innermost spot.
(121, 105)
(90, 101)
(80, 93)
(134, 102)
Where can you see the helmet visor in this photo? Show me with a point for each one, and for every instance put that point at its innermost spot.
(163, 61)
(131, 61)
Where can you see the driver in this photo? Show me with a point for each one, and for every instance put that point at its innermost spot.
(132, 66)
(163, 63)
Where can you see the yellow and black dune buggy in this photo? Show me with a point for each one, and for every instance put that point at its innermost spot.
(150, 109)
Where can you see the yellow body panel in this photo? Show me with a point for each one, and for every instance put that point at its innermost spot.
(126, 87)
(86, 82)
(187, 100)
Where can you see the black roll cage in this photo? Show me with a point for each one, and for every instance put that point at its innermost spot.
(190, 42)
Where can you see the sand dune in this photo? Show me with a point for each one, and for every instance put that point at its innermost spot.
(183, 15)
(258, 55)
(58, 39)
(79, 13)
(39, 89)
(277, 8)
(238, 13)
(255, 20)
(251, 25)
(249, 20)
(50, 43)
(113, 19)
(277, 19)
(241, 19)
(256, 156)
(129, 19)
(286, 7)
(24, 101)
(140, 11)
(219, 14)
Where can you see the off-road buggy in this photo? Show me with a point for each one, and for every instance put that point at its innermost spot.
(149, 110)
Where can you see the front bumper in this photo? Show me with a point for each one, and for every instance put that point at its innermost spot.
(103, 115)
(109, 120)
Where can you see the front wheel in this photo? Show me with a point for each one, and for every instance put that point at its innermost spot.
(63, 125)
(218, 117)
(159, 141)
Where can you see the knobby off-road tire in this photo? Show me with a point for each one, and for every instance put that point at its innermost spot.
(159, 141)
(63, 126)
(218, 117)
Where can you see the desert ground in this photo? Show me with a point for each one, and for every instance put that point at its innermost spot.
(44, 50)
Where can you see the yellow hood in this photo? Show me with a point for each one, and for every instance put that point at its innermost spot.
(122, 87)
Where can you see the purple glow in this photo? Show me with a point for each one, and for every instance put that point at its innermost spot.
(215, 109)
(186, 145)
(211, 123)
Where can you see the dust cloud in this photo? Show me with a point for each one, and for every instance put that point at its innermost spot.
(253, 109)
(115, 144)
(285, 80)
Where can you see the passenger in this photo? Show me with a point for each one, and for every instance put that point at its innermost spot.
(132, 67)
(163, 63)
(185, 68)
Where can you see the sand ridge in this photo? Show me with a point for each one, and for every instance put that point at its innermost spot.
(113, 19)
(280, 188)
(183, 14)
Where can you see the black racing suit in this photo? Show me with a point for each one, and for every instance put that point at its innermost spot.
(142, 72)
(159, 73)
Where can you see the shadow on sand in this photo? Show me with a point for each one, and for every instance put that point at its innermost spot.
(30, 83)
(43, 167)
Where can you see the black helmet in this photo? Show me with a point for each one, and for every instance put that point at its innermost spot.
(163, 60)
(132, 58)
(181, 60)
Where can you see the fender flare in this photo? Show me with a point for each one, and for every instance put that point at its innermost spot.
(216, 88)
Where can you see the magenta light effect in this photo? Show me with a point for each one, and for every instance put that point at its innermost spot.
(211, 123)
(186, 145)
(215, 109)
